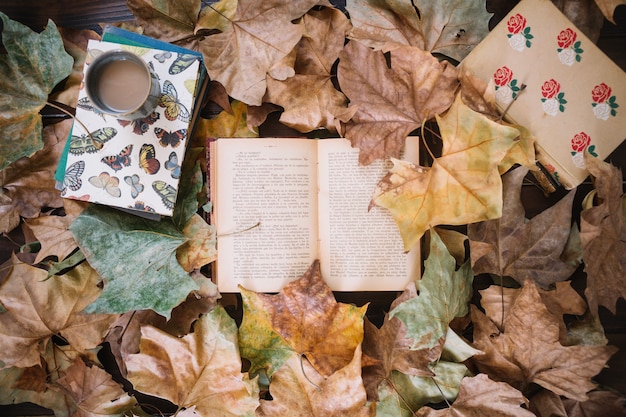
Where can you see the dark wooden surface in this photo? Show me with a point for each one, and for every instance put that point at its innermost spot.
(89, 14)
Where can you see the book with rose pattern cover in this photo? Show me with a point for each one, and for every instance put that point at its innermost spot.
(555, 82)
(135, 165)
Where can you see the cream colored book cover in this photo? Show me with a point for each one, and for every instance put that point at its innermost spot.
(557, 83)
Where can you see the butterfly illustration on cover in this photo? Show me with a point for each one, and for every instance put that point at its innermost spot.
(86, 104)
(170, 138)
(162, 57)
(140, 205)
(108, 183)
(172, 165)
(147, 159)
(85, 144)
(142, 124)
(174, 109)
(135, 186)
(181, 63)
(119, 161)
(72, 176)
(166, 192)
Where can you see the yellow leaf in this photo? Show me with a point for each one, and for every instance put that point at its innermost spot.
(226, 124)
(462, 186)
(199, 248)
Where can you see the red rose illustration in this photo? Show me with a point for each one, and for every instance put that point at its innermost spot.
(550, 88)
(566, 38)
(502, 76)
(580, 141)
(601, 93)
(516, 23)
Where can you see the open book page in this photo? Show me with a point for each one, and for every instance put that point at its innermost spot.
(271, 182)
(360, 249)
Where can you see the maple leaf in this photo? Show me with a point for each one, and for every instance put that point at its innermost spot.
(563, 299)
(252, 43)
(168, 21)
(462, 186)
(233, 124)
(390, 347)
(199, 248)
(34, 64)
(309, 97)
(136, 257)
(600, 403)
(298, 390)
(519, 248)
(603, 237)
(201, 369)
(528, 350)
(608, 8)
(480, 396)
(450, 27)
(27, 185)
(28, 322)
(302, 319)
(444, 294)
(385, 117)
(94, 392)
(402, 395)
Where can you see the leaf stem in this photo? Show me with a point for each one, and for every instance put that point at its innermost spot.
(440, 391)
(521, 88)
(406, 404)
(61, 109)
(305, 375)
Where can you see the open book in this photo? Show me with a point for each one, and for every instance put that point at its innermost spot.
(281, 203)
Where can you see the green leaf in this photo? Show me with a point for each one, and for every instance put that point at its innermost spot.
(34, 64)
(137, 259)
(444, 294)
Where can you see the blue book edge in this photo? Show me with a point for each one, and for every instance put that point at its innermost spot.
(125, 37)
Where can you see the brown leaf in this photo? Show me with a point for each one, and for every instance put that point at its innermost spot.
(608, 8)
(168, 21)
(514, 247)
(251, 44)
(392, 101)
(391, 348)
(29, 321)
(528, 350)
(545, 403)
(603, 237)
(28, 184)
(298, 390)
(599, 404)
(309, 98)
(94, 392)
(480, 396)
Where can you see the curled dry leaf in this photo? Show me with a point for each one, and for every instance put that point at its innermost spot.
(480, 396)
(29, 321)
(28, 184)
(298, 390)
(608, 8)
(528, 350)
(462, 186)
(392, 101)
(303, 319)
(603, 237)
(201, 369)
(515, 247)
(309, 97)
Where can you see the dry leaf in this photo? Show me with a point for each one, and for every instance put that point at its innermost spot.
(28, 184)
(199, 248)
(251, 44)
(515, 247)
(608, 8)
(202, 369)
(227, 124)
(29, 321)
(392, 101)
(391, 350)
(480, 396)
(303, 319)
(528, 350)
(603, 237)
(309, 98)
(599, 404)
(545, 403)
(94, 392)
(462, 186)
(298, 390)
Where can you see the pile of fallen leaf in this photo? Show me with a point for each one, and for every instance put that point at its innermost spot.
(85, 282)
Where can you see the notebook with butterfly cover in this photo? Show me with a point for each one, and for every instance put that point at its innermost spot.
(135, 164)
(557, 83)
